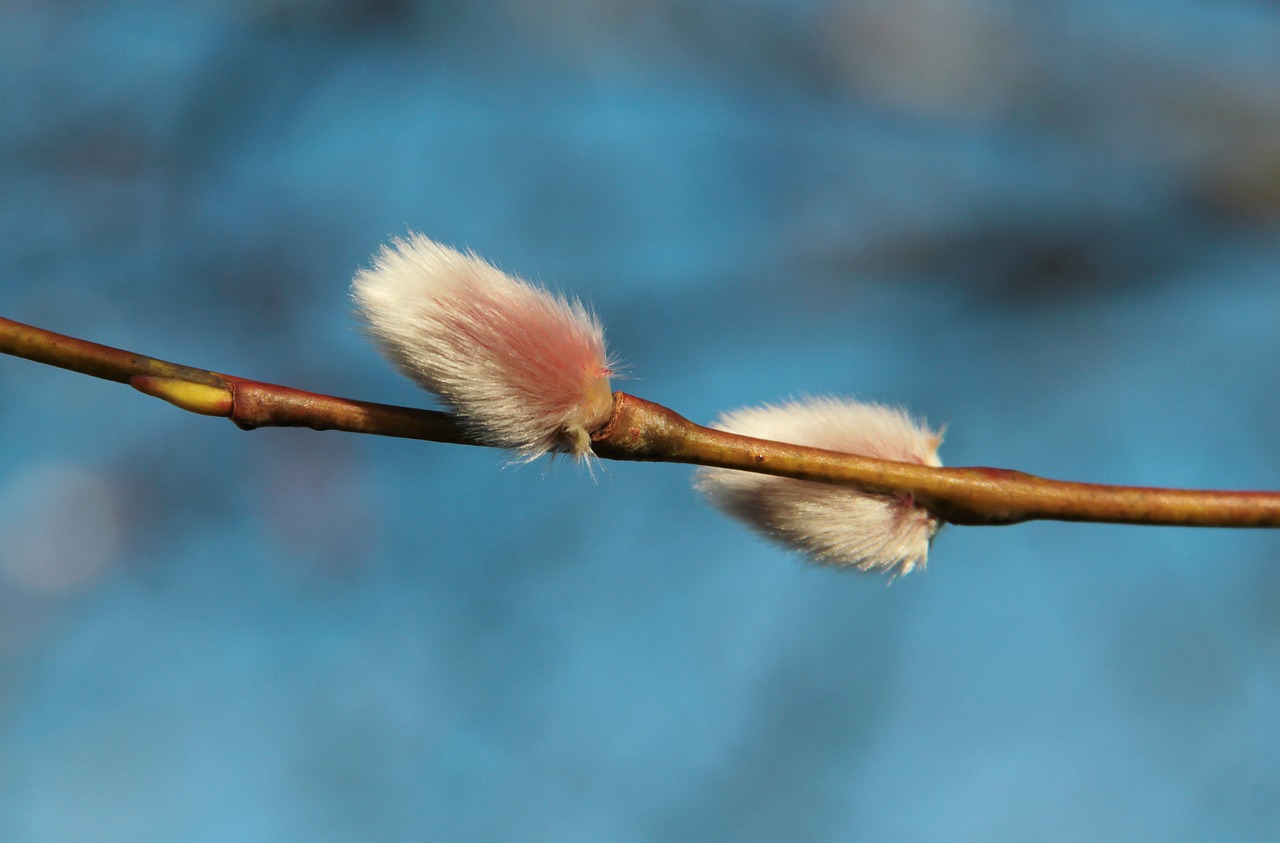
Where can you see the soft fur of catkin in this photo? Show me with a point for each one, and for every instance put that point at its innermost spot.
(524, 368)
(833, 525)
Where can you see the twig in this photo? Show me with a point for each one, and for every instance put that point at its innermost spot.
(248, 403)
(642, 430)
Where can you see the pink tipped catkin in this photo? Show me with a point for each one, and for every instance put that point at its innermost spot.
(524, 369)
(834, 525)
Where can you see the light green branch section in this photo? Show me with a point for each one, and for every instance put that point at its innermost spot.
(202, 398)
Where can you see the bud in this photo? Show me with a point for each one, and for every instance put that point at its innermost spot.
(834, 525)
(522, 368)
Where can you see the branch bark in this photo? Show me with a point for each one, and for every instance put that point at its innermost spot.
(642, 430)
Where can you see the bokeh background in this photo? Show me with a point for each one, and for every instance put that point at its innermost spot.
(1051, 226)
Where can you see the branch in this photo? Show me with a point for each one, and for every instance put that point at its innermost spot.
(642, 430)
(248, 403)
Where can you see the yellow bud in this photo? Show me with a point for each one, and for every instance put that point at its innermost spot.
(191, 396)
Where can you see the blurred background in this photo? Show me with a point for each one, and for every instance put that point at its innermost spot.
(1050, 226)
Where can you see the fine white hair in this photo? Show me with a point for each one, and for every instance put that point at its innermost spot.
(833, 525)
(522, 368)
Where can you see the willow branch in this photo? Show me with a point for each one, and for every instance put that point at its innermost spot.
(248, 403)
(641, 430)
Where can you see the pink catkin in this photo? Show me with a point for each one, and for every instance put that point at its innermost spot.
(523, 368)
(833, 525)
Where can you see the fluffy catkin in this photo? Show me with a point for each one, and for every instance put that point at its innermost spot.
(833, 525)
(522, 368)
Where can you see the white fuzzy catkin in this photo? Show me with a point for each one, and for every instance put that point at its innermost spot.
(834, 525)
(522, 368)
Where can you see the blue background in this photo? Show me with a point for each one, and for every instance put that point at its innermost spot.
(1050, 226)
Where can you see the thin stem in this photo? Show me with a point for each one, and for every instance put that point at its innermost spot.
(642, 430)
(248, 403)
